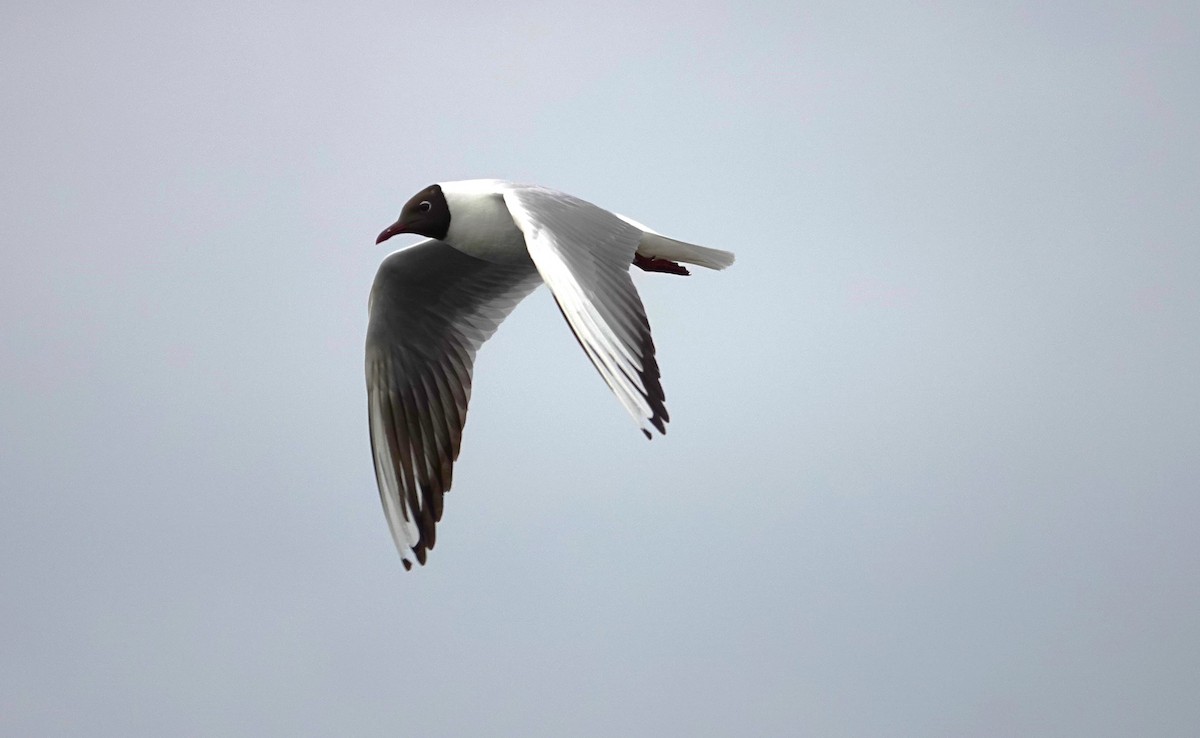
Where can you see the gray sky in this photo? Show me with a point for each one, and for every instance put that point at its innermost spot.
(934, 457)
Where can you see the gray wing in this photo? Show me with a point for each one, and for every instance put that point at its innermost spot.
(431, 308)
(583, 253)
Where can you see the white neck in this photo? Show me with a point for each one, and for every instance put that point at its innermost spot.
(480, 224)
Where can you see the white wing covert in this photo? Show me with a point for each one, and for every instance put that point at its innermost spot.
(583, 253)
(431, 308)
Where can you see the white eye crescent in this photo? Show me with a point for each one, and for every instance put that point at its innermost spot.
(424, 206)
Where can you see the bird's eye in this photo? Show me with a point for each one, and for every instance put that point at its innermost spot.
(424, 206)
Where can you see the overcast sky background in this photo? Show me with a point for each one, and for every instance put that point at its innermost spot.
(935, 450)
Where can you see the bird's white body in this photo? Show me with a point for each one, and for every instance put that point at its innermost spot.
(483, 227)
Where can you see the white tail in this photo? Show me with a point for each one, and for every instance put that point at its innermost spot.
(660, 247)
(654, 245)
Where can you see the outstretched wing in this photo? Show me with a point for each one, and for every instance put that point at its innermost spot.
(583, 253)
(431, 308)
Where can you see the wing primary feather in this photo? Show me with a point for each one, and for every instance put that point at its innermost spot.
(584, 254)
(420, 487)
(431, 308)
(440, 455)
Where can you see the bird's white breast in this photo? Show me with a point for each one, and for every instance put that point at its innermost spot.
(480, 224)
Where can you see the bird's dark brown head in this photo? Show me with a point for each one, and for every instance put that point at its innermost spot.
(425, 214)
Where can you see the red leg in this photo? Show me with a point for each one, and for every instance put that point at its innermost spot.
(654, 264)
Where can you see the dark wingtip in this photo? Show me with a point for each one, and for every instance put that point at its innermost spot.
(407, 564)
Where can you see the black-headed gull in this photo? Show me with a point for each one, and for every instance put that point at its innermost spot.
(434, 304)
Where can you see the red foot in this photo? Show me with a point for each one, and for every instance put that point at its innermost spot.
(654, 264)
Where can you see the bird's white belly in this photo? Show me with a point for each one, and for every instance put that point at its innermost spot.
(506, 249)
(484, 229)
